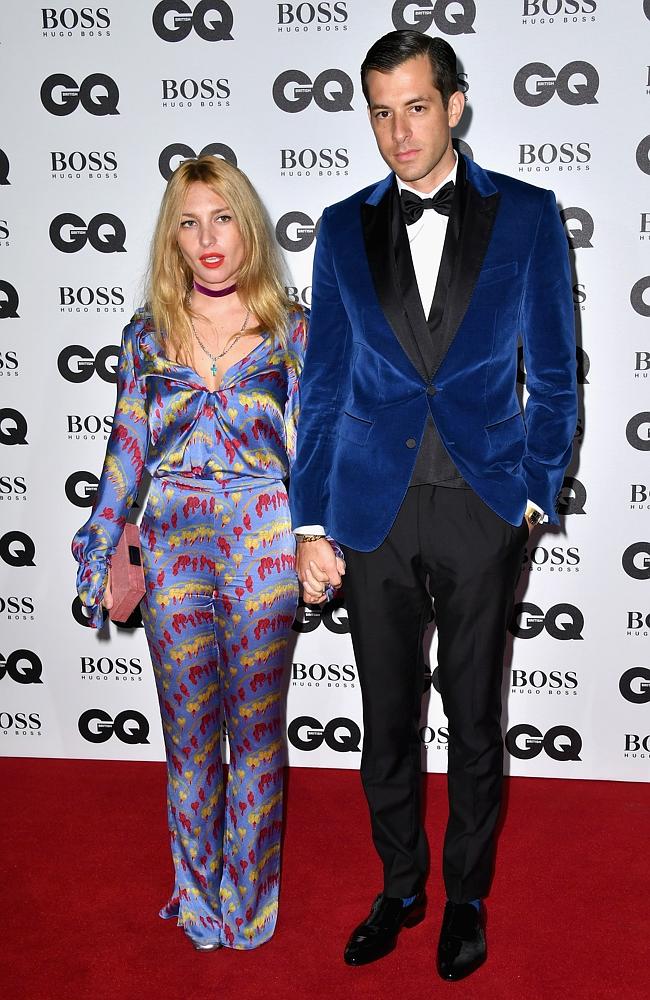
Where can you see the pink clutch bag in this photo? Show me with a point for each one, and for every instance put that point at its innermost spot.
(127, 575)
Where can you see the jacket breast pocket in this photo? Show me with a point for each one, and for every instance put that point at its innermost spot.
(501, 272)
(355, 429)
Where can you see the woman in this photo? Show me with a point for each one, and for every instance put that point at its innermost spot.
(207, 403)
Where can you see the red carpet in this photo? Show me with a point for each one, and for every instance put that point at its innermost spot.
(85, 866)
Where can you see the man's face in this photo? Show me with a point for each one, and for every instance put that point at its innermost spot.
(411, 126)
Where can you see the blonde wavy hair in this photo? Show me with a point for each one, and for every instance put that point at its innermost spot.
(169, 278)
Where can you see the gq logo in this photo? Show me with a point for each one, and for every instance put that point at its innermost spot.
(104, 232)
(562, 621)
(637, 431)
(212, 20)
(333, 615)
(9, 304)
(13, 427)
(96, 726)
(637, 301)
(98, 94)
(17, 549)
(22, 666)
(636, 561)
(535, 84)
(420, 16)
(560, 742)
(579, 237)
(296, 231)
(643, 155)
(179, 151)
(332, 90)
(572, 497)
(80, 488)
(342, 735)
(4, 168)
(634, 685)
(87, 364)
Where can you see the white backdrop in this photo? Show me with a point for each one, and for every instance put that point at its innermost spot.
(98, 104)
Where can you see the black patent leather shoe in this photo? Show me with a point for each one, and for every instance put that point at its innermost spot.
(461, 949)
(377, 935)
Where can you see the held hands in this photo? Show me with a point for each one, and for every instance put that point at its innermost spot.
(317, 566)
(107, 599)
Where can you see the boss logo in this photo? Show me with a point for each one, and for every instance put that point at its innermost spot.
(80, 299)
(70, 18)
(642, 363)
(13, 488)
(643, 155)
(296, 231)
(332, 91)
(342, 735)
(301, 295)
(551, 8)
(13, 427)
(76, 162)
(105, 233)
(561, 743)
(135, 621)
(4, 231)
(636, 745)
(579, 295)
(420, 16)
(189, 90)
(634, 685)
(88, 427)
(557, 559)
(8, 364)
(211, 20)
(576, 84)
(77, 364)
(21, 723)
(637, 431)
(17, 607)
(555, 681)
(97, 726)
(332, 614)
(177, 152)
(80, 488)
(579, 236)
(9, 301)
(332, 674)
(103, 666)
(639, 495)
(4, 168)
(637, 300)
(325, 15)
(572, 497)
(636, 560)
(98, 94)
(306, 160)
(22, 666)
(17, 549)
(430, 737)
(562, 621)
(644, 226)
(638, 623)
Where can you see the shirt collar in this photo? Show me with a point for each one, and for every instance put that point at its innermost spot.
(451, 176)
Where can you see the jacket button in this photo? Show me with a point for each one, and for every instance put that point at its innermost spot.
(411, 442)
(431, 390)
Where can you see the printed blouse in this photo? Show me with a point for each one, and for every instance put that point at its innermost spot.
(168, 422)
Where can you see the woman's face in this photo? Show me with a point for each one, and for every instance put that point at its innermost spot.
(209, 237)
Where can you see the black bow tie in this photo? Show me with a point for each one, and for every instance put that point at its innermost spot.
(413, 207)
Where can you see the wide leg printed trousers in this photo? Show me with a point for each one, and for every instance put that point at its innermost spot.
(221, 598)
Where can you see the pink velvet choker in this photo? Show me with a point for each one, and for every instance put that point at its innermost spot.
(213, 293)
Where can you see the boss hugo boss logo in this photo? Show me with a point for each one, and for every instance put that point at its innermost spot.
(434, 739)
(86, 299)
(644, 226)
(332, 614)
(637, 296)
(636, 560)
(22, 666)
(319, 162)
(20, 723)
(88, 22)
(636, 745)
(638, 624)
(103, 667)
(562, 621)
(452, 17)
(302, 295)
(13, 426)
(17, 608)
(637, 431)
(97, 726)
(556, 560)
(211, 20)
(105, 233)
(177, 152)
(8, 364)
(575, 84)
(561, 743)
(206, 93)
(77, 364)
(332, 90)
(80, 488)
(334, 675)
(639, 496)
(325, 15)
(578, 226)
(296, 231)
(634, 685)
(9, 301)
(98, 94)
(579, 296)
(564, 11)
(572, 498)
(12, 488)
(4, 232)
(557, 682)
(88, 427)
(643, 155)
(342, 735)
(4, 168)
(17, 549)
(96, 164)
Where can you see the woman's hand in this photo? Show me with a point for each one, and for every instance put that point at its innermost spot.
(107, 600)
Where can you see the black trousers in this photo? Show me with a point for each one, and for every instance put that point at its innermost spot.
(445, 544)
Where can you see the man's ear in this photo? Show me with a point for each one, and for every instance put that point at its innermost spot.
(455, 108)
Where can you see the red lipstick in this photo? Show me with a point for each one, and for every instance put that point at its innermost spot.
(212, 260)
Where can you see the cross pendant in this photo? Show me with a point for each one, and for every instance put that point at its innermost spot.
(214, 368)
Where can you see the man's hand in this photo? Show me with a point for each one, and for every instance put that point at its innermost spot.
(316, 566)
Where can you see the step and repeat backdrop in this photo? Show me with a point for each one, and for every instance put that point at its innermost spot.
(100, 104)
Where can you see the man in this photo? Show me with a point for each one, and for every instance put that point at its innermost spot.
(414, 455)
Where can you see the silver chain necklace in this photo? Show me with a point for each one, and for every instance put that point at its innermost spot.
(229, 346)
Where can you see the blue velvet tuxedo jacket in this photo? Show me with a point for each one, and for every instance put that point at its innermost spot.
(364, 403)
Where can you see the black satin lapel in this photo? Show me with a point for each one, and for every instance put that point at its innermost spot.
(476, 230)
(420, 344)
(449, 251)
